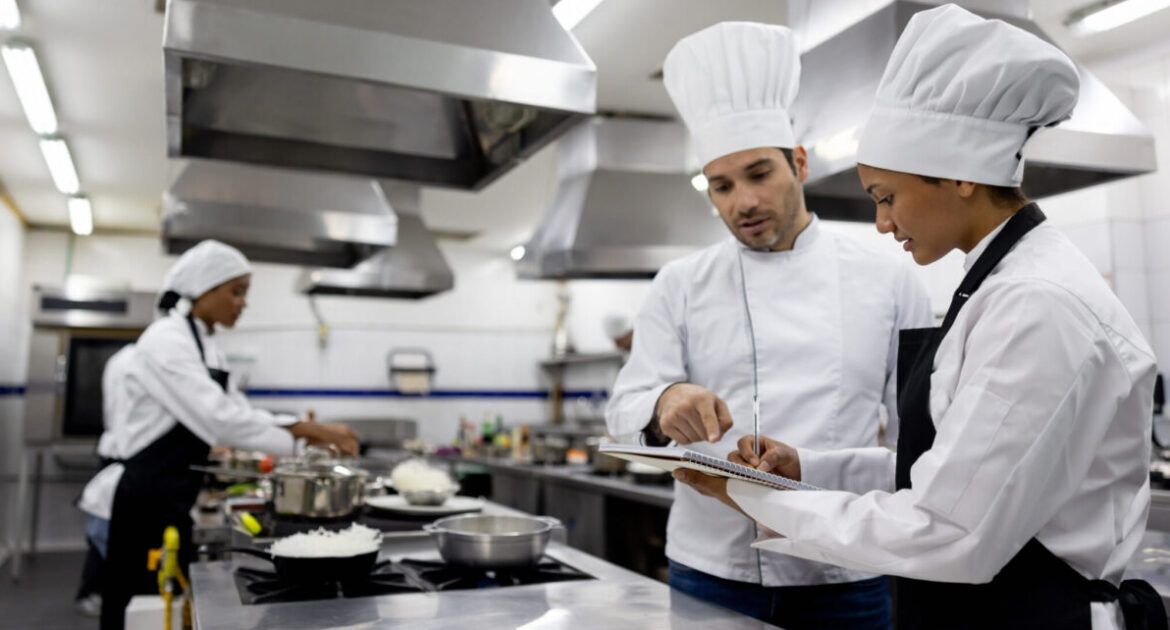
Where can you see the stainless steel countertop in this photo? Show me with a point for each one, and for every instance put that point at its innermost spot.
(616, 599)
(580, 476)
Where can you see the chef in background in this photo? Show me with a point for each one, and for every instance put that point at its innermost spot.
(88, 600)
(174, 400)
(1020, 487)
(619, 330)
(810, 315)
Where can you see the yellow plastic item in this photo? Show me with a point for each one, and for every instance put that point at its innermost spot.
(250, 523)
(170, 573)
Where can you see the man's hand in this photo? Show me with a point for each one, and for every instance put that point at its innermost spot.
(777, 458)
(334, 433)
(689, 413)
(707, 485)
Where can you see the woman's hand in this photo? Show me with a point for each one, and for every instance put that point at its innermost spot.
(333, 433)
(707, 485)
(777, 458)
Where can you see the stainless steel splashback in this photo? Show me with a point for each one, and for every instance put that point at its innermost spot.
(442, 92)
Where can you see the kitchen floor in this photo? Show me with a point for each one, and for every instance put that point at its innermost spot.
(43, 598)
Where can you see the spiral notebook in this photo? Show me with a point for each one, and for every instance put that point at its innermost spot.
(671, 457)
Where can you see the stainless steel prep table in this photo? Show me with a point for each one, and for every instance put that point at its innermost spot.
(580, 476)
(615, 599)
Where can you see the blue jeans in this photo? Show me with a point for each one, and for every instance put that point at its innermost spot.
(863, 605)
(97, 530)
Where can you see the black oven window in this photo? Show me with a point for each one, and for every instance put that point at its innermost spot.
(83, 389)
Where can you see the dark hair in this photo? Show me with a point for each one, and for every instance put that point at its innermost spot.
(791, 161)
(1000, 195)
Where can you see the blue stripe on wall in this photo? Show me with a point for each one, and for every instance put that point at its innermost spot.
(274, 392)
(299, 392)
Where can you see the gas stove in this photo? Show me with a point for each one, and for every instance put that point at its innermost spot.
(408, 575)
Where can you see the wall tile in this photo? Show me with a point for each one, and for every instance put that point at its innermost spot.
(1158, 293)
(1128, 245)
(1094, 241)
(1130, 287)
(1156, 231)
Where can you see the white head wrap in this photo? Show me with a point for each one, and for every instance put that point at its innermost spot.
(733, 84)
(616, 325)
(201, 269)
(961, 95)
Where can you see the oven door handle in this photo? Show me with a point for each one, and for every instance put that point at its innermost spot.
(62, 369)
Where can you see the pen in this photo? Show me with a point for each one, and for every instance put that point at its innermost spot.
(756, 425)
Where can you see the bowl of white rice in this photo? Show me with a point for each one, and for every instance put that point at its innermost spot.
(354, 540)
(422, 484)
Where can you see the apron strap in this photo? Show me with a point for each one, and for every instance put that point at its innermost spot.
(1141, 606)
(195, 334)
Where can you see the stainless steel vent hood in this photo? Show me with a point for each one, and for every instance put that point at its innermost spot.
(413, 268)
(1102, 141)
(624, 204)
(444, 92)
(277, 215)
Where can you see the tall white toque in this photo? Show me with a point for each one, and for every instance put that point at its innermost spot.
(961, 95)
(733, 84)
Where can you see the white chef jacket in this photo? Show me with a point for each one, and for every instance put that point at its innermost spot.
(112, 375)
(826, 316)
(1041, 395)
(164, 382)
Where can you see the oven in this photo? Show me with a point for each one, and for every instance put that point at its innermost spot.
(75, 332)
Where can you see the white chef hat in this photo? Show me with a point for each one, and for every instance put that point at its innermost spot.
(733, 84)
(199, 270)
(961, 95)
(616, 325)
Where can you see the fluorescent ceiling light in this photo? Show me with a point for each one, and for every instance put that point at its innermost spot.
(517, 252)
(570, 12)
(80, 216)
(9, 15)
(699, 182)
(1110, 15)
(30, 87)
(60, 163)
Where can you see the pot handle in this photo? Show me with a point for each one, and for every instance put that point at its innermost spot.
(264, 555)
(316, 452)
(552, 522)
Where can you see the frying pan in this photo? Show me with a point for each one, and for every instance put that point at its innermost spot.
(293, 569)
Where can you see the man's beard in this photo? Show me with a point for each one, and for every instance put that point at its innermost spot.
(785, 223)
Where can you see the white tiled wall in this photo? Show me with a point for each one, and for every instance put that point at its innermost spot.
(12, 352)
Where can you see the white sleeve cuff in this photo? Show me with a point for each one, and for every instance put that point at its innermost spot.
(284, 420)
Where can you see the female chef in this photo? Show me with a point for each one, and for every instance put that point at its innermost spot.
(174, 402)
(1019, 490)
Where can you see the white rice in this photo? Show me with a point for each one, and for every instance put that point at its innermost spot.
(415, 475)
(322, 543)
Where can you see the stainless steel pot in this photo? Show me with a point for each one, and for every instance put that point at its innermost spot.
(603, 464)
(317, 486)
(492, 541)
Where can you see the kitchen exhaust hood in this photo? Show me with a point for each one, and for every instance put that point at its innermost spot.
(440, 92)
(277, 215)
(413, 268)
(1102, 141)
(624, 204)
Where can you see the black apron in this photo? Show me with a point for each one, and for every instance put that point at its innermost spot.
(157, 490)
(1035, 589)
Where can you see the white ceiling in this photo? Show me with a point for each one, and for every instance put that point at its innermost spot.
(103, 63)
